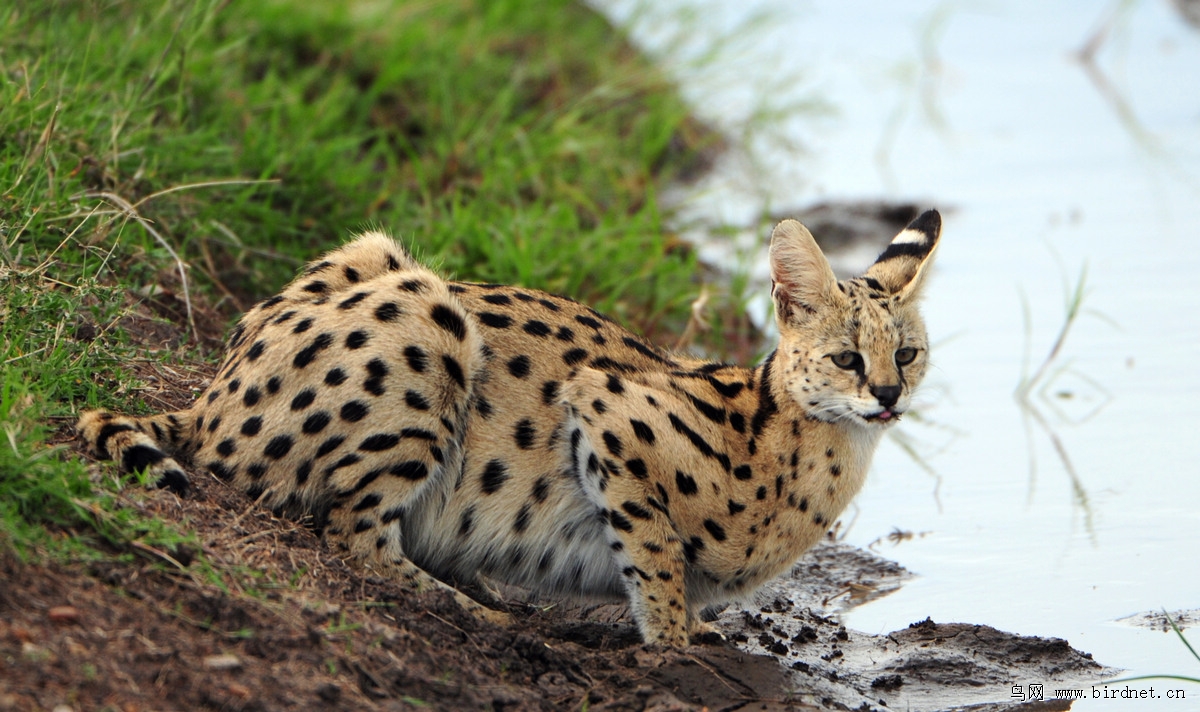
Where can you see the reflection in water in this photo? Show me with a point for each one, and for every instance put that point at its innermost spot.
(921, 84)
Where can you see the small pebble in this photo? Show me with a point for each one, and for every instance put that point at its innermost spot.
(64, 614)
(222, 662)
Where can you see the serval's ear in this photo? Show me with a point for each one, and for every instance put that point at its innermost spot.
(801, 279)
(902, 267)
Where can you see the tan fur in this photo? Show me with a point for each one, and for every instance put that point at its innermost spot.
(479, 432)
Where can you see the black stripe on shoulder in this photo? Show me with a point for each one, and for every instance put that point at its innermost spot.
(766, 402)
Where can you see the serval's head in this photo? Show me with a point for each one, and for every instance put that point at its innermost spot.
(852, 351)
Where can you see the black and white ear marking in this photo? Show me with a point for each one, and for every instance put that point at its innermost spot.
(900, 269)
(801, 279)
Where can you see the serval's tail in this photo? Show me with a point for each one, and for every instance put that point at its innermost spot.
(139, 443)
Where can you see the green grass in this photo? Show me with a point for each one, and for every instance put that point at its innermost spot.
(177, 160)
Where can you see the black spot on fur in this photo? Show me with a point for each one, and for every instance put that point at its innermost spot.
(303, 399)
(550, 392)
(388, 311)
(525, 434)
(251, 426)
(418, 434)
(335, 377)
(735, 507)
(541, 489)
(226, 447)
(303, 472)
(685, 483)
(613, 443)
(620, 521)
(715, 530)
(614, 384)
(743, 472)
(354, 411)
(357, 339)
(642, 431)
(534, 327)
(377, 370)
(309, 353)
(496, 321)
(278, 447)
(446, 318)
(350, 301)
(315, 423)
(636, 510)
(330, 444)
(303, 325)
(256, 350)
(495, 474)
(483, 407)
(415, 400)
(410, 470)
(587, 321)
(221, 471)
(454, 370)
(416, 358)
(519, 366)
(637, 468)
(497, 299)
(574, 356)
(521, 523)
(415, 286)
(379, 442)
(252, 396)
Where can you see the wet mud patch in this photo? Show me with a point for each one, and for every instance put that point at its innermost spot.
(926, 666)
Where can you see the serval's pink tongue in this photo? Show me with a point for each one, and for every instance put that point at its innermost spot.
(885, 415)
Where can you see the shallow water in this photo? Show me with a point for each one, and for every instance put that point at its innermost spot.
(1082, 506)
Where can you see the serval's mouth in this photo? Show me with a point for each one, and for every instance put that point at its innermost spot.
(883, 417)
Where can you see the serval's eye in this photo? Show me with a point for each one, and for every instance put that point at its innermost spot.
(849, 360)
(905, 355)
